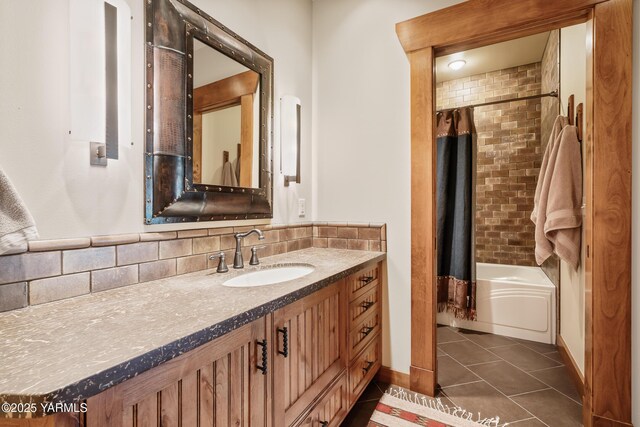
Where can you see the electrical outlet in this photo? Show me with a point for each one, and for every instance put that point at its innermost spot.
(302, 207)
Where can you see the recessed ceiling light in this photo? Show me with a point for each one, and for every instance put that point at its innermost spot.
(457, 64)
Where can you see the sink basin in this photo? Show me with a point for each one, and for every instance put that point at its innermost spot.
(269, 276)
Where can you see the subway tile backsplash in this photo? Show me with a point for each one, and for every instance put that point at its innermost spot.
(57, 269)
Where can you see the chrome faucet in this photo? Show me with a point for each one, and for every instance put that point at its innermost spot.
(238, 262)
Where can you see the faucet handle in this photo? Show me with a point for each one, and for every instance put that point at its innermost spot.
(254, 255)
(222, 265)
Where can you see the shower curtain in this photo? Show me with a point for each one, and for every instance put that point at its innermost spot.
(455, 199)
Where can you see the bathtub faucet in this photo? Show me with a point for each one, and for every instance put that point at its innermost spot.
(238, 262)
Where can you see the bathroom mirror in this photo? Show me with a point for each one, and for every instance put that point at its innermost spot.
(209, 119)
(226, 115)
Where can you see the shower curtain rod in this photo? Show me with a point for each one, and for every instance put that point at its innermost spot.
(553, 93)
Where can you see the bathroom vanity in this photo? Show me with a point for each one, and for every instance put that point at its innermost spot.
(189, 351)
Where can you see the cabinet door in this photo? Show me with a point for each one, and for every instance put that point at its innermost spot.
(331, 409)
(315, 330)
(217, 384)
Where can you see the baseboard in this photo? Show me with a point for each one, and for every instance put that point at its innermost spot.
(572, 366)
(388, 375)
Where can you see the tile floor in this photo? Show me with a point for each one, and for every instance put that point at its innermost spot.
(523, 382)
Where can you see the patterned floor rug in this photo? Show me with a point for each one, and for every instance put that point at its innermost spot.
(399, 407)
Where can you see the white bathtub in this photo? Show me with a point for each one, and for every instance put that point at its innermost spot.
(515, 301)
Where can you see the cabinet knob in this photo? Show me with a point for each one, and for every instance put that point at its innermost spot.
(324, 423)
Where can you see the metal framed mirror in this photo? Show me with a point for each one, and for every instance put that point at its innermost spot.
(209, 119)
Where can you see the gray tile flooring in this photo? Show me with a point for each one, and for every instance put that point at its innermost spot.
(524, 383)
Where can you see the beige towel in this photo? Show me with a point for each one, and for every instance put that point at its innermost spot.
(558, 198)
(544, 248)
(563, 226)
(229, 175)
(16, 224)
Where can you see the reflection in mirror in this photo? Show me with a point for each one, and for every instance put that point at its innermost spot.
(226, 118)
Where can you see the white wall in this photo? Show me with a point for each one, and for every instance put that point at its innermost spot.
(220, 132)
(362, 136)
(68, 197)
(573, 77)
(635, 251)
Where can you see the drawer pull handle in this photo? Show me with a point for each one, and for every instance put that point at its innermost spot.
(285, 341)
(367, 279)
(366, 330)
(263, 367)
(324, 423)
(367, 305)
(367, 367)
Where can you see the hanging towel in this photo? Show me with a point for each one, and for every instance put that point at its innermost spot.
(229, 175)
(543, 247)
(16, 223)
(564, 201)
(556, 213)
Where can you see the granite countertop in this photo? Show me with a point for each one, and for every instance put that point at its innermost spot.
(69, 350)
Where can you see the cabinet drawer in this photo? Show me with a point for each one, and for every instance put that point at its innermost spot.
(364, 280)
(363, 306)
(364, 367)
(362, 333)
(331, 408)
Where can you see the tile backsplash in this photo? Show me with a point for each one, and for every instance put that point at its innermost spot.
(57, 269)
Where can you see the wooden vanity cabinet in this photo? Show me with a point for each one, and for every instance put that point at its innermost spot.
(216, 384)
(321, 353)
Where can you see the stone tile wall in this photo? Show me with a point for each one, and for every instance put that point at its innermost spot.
(57, 269)
(509, 156)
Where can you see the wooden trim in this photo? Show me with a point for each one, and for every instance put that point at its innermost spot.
(502, 20)
(607, 422)
(423, 223)
(609, 215)
(389, 376)
(571, 365)
(246, 140)
(607, 147)
(225, 92)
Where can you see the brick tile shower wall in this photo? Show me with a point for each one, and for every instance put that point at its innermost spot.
(508, 158)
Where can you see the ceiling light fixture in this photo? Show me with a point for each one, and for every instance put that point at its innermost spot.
(457, 64)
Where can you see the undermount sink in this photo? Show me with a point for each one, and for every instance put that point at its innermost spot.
(269, 276)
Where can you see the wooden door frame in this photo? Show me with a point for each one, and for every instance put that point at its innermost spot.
(607, 147)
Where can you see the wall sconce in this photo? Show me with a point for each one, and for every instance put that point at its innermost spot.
(290, 139)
